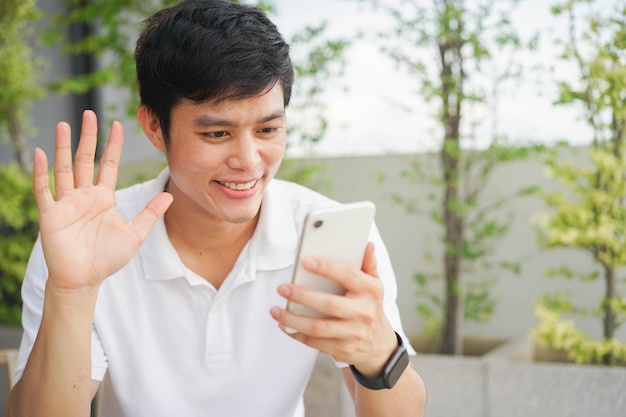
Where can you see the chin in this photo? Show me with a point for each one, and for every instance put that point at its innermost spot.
(238, 212)
(239, 218)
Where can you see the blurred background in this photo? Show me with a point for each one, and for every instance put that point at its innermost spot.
(488, 133)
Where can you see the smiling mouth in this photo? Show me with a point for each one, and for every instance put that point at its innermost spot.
(238, 186)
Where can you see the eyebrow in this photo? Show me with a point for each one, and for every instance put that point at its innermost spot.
(211, 121)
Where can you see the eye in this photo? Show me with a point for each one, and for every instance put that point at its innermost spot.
(268, 130)
(214, 135)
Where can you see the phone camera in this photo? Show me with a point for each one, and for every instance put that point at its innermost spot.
(318, 224)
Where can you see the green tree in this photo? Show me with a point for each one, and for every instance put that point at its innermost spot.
(110, 29)
(463, 81)
(591, 215)
(20, 70)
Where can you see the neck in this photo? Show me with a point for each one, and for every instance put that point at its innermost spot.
(208, 247)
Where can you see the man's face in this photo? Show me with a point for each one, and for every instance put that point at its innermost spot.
(222, 155)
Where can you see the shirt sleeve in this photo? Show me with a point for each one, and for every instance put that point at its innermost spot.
(388, 277)
(33, 289)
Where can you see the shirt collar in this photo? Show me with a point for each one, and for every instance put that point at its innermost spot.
(274, 240)
(276, 235)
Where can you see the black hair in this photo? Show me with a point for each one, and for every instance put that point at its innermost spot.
(209, 50)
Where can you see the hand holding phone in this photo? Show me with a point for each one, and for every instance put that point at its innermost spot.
(338, 233)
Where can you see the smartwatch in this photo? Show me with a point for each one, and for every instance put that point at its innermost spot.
(395, 366)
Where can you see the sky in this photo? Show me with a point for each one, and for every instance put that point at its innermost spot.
(366, 118)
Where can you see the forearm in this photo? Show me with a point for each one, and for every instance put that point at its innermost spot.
(406, 398)
(57, 377)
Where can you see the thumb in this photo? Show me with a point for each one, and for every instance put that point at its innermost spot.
(153, 211)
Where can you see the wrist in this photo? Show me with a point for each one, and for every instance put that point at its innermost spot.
(71, 298)
(391, 371)
(55, 283)
(375, 365)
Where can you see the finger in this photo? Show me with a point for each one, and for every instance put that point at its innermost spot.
(86, 152)
(63, 177)
(351, 278)
(41, 181)
(369, 261)
(153, 211)
(110, 160)
(299, 326)
(337, 347)
(327, 304)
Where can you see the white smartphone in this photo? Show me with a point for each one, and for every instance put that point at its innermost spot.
(338, 233)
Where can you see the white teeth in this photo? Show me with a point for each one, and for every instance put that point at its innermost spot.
(238, 187)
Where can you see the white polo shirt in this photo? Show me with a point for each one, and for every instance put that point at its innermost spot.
(165, 342)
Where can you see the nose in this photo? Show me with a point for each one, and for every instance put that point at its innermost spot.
(244, 153)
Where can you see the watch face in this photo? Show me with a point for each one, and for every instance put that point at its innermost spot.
(397, 366)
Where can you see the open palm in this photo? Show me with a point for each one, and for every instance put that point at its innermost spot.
(84, 238)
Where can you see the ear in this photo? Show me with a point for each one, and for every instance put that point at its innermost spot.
(151, 127)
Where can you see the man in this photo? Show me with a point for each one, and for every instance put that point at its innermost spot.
(158, 295)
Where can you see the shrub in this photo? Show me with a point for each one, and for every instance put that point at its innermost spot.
(562, 335)
(18, 232)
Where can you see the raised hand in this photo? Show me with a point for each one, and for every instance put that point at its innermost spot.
(84, 238)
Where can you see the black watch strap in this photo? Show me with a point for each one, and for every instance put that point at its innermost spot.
(395, 366)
